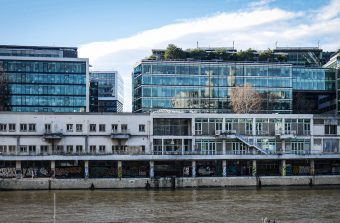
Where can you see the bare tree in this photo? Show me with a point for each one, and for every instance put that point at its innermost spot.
(245, 100)
(4, 91)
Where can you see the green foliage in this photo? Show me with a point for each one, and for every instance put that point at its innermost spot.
(172, 52)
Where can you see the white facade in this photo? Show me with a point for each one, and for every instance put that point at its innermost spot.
(127, 136)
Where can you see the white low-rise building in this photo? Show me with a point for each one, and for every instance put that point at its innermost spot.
(166, 144)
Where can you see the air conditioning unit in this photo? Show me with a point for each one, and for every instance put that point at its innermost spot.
(217, 132)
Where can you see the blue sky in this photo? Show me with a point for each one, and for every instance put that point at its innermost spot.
(115, 34)
(76, 22)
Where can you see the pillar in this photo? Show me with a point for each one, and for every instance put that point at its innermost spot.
(254, 173)
(283, 168)
(151, 170)
(312, 167)
(182, 146)
(18, 172)
(224, 167)
(86, 169)
(162, 146)
(52, 168)
(193, 167)
(224, 149)
(120, 169)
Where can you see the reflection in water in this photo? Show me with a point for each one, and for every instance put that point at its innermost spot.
(185, 205)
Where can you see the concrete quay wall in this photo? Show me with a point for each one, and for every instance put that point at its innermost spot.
(128, 183)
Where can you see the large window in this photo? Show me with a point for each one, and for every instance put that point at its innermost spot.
(175, 126)
(330, 129)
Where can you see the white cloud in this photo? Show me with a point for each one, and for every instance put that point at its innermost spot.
(260, 4)
(329, 11)
(258, 28)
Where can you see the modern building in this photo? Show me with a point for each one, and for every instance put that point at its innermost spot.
(106, 91)
(334, 64)
(301, 56)
(96, 145)
(43, 79)
(205, 86)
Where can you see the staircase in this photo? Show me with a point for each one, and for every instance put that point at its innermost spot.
(250, 143)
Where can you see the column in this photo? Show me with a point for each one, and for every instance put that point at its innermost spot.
(86, 169)
(254, 173)
(224, 167)
(52, 168)
(18, 172)
(120, 169)
(193, 167)
(224, 149)
(312, 167)
(162, 146)
(151, 170)
(182, 146)
(283, 168)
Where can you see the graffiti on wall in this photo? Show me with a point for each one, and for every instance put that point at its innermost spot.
(98, 172)
(7, 172)
(36, 172)
(69, 172)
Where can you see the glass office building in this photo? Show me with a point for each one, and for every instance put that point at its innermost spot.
(106, 91)
(334, 64)
(196, 86)
(44, 79)
(193, 86)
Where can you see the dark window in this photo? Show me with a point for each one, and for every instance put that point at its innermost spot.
(142, 128)
(330, 129)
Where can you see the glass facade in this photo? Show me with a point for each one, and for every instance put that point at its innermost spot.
(206, 87)
(106, 93)
(313, 79)
(45, 85)
(37, 51)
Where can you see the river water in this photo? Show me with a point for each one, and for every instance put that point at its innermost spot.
(183, 205)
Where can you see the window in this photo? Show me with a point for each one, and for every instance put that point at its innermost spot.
(43, 149)
(32, 149)
(124, 128)
(60, 148)
(142, 128)
(3, 149)
(93, 149)
(69, 149)
(331, 145)
(92, 127)
(102, 149)
(11, 127)
(79, 127)
(101, 127)
(23, 149)
(330, 129)
(23, 127)
(69, 127)
(79, 148)
(3, 127)
(114, 127)
(31, 127)
(11, 149)
(47, 127)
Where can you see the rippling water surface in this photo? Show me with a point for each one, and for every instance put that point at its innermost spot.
(184, 205)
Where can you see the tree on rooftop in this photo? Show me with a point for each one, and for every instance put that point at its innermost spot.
(245, 100)
(266, 55)
(172, 52)
(247, 55)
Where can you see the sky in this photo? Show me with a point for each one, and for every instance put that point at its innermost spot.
(116, 34)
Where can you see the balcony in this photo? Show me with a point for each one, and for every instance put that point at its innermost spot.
(123, 134)
(49, 135)
(285, 134)
(228, 134)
